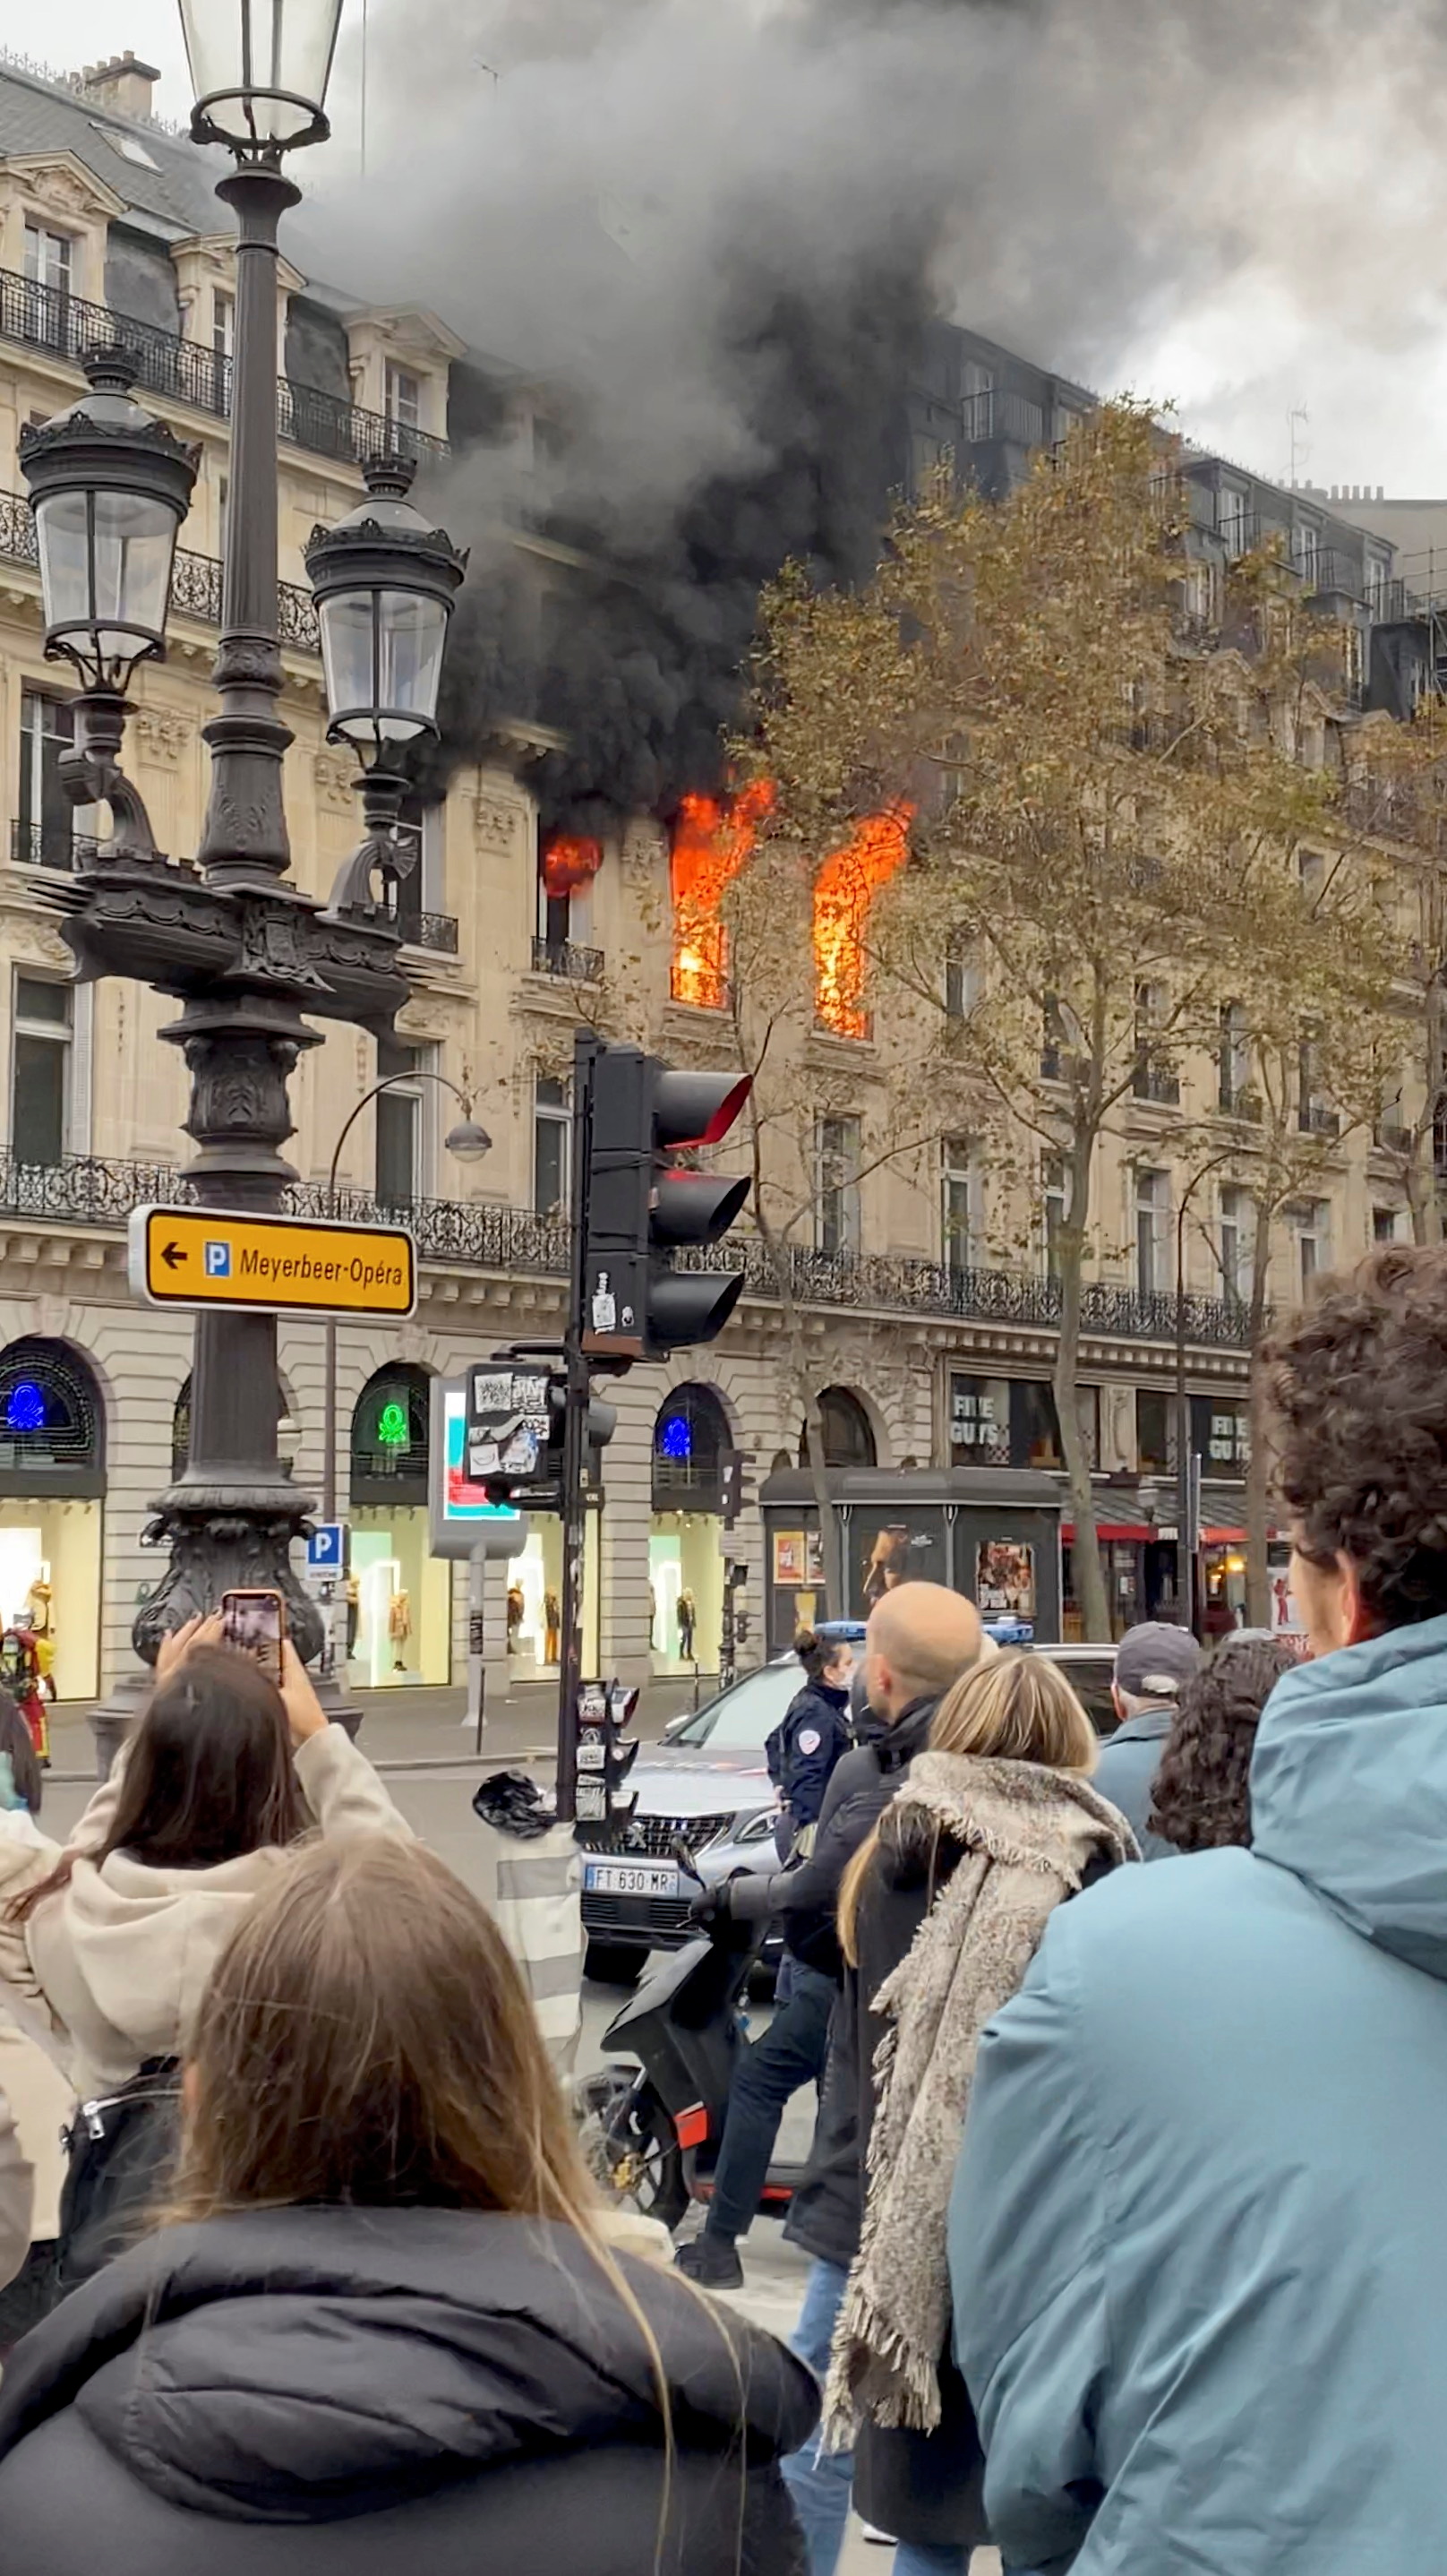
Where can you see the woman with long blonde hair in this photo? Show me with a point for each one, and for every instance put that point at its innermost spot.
(385, 2321)
(940, 1914)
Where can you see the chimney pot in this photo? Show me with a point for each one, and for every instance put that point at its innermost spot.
(123, 84)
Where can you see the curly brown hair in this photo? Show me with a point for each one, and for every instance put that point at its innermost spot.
(1201, 1796)
(1357, 1390)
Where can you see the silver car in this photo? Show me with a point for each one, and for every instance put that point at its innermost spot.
(707, 1784)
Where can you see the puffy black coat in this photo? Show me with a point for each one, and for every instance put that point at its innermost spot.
(331, 2392)
(811, 1737)
(804, 1897)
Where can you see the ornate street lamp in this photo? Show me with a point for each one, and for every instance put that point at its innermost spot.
(384, 584)
(259, 70)
(243, 951)
(109, 487)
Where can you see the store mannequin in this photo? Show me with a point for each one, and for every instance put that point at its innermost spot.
(399, 1628)
(687, 1618)
(552, 1624)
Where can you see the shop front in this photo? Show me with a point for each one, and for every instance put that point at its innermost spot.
(992, 1533)
(685, 1560)
(398, 1594)
(535, 1597)
(52, 1506)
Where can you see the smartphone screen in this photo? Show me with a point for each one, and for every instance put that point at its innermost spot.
(252, 1622)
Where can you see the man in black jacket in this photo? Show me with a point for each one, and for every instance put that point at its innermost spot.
(920, 1638)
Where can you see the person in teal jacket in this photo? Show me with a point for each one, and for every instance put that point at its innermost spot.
(1198, 2235)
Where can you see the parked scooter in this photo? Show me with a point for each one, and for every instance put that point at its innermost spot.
(652, 2131)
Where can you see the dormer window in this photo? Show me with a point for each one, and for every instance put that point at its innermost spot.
(48, 257)
(404, 397)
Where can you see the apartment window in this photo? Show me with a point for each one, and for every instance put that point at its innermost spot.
(223, 322)
(962, 978)
(1235, 522)
(404, 397)
(552, 1145)
(977, 387)
(1312, 1223)
(1384, 1224)
(48, 820)
(40, 1069)
(1233, 1058)
(959, 1187)
(1235, 1245)
(420, 890)
(1052, 1042)
(1052, 1200)
(48, 258)
(1152, 1191)
(837, 1159)
(1308, 554)
(1311, 870)
(1203, 594)
(401, 1132)
(1152, 1080)
(1154, 1432)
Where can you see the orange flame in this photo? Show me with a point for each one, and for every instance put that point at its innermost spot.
(712, 837)
(844, 892)
(569, 863)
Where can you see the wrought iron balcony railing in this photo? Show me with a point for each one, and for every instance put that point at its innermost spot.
(51, 318)
(1001, 413)
(89, 1190)
(47, 845)
(564, 957)
(195, 580)
(436, 931)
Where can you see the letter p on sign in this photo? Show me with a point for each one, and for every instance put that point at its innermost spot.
(218, 1260)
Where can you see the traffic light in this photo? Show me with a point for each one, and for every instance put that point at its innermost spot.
(734, 1491)
(604, 1759)
(642, 1206)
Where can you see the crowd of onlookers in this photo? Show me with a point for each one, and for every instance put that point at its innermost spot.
(1124, 2206)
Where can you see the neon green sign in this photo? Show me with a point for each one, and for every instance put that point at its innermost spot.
(392, 1430)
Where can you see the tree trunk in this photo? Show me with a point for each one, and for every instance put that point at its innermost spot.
(1258, 1469)
(1085, 1547)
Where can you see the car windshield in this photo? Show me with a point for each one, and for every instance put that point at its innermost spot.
(1090, 1677)
(745, 1715)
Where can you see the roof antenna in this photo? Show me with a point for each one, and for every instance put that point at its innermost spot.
(362, 153)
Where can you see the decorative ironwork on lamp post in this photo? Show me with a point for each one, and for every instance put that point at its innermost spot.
(249, 958)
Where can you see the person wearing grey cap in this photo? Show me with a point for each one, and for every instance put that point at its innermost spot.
(1151, 1663)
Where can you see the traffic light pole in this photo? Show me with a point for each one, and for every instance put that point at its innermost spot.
(575, 1435)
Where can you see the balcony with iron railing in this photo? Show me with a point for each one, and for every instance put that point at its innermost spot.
(50, 318)
(565, 958)
(195, 580)
(90, 1190)
(1001, 413)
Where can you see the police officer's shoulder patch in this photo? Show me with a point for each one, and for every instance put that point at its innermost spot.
(810, 1739)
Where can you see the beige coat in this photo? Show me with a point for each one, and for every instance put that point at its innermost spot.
(120, 1957)
(15, 2190)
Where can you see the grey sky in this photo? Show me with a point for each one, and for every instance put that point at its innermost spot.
(1327, 299)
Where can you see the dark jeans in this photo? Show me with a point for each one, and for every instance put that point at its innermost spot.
(769, 2072)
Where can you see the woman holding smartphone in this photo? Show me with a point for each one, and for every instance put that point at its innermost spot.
(114, 1937)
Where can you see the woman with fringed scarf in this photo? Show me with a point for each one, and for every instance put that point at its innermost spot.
(940, 1914)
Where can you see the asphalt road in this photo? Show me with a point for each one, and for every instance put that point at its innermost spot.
(436, 1803)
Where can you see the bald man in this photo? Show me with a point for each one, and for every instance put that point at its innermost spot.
(919, 1640)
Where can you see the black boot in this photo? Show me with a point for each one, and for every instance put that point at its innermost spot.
(712, 2261)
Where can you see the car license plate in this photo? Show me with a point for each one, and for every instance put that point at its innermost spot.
(630, 1878)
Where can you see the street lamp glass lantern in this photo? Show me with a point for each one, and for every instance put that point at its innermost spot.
(109, 487)
(259, 71)
(384, 584)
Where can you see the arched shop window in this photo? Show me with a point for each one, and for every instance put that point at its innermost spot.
(181, 1423)
(690, 1436)
(52, 1422)
(848, 1436)
(390, 1437)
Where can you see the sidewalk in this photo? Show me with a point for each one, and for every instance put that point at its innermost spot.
(403, 1728)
